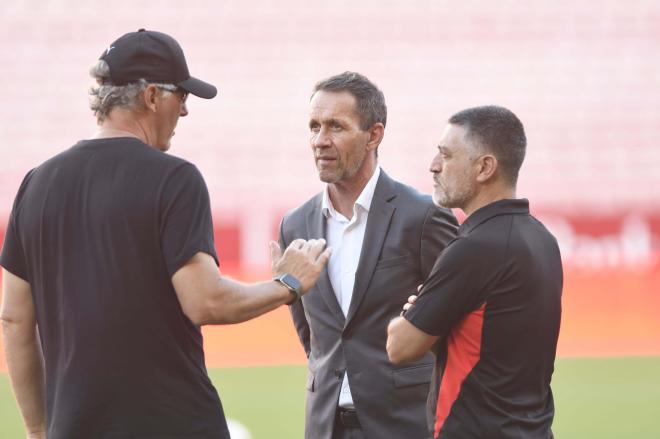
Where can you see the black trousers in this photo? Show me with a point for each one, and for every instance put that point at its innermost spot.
(341, 432)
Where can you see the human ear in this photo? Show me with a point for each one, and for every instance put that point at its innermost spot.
(376, 133)
(150, 98)
(487, 167)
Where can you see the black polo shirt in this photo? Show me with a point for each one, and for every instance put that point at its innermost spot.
(494, 299)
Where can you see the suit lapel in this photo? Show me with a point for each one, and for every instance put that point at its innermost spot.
(316, 230)
(378, 223)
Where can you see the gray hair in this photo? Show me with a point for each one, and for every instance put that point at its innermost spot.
(106, 96)
(498, 131)
(370, 102)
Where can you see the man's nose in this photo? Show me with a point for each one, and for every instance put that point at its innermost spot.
(183, 111)
(321, 139)
(436, 165)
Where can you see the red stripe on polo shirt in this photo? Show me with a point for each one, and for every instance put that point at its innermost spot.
(463, 353)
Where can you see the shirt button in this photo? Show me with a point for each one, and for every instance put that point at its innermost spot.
(339, 373)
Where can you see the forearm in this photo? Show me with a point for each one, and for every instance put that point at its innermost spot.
(26, 372)
(396, 346)
(236, 302)
(206, 297)
(406, 343)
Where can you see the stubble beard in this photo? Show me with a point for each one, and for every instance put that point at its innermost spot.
(456, 199)
(339, 172)
(441, 198)
(330, 176)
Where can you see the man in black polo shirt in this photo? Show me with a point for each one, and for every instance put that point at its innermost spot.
(491, 307)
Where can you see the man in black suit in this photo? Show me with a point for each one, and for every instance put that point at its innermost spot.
(385, 238)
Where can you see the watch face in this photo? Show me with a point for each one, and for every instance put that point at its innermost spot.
(291, 282)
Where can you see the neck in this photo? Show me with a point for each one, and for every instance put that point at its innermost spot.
(486, 197)
(343, 194)
(122, 124)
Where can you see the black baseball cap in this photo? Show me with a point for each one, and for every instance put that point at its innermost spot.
(155, 57)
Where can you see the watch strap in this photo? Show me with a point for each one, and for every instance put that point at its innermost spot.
(292, 284)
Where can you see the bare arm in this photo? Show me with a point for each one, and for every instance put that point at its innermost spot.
(208, 298)
(405, 342)
(23, 352)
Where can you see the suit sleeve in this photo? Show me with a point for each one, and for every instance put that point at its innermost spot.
(439, 228)
(297, 309)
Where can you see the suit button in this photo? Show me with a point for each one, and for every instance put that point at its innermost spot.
(339, 373)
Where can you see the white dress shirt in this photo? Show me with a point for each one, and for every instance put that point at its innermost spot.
(345, 238)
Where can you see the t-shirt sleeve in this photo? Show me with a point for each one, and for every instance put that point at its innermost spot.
(451, 291)
(186, 223)
(12, 257)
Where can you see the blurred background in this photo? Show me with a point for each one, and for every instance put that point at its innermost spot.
(583, 76)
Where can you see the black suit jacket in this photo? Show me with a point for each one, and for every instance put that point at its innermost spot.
(404, 234)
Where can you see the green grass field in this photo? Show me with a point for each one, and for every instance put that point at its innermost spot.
(594, 398)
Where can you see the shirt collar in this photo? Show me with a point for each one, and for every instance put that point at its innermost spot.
(500, 207)
(363, 200)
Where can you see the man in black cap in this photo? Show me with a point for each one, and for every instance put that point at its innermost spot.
(109, 253)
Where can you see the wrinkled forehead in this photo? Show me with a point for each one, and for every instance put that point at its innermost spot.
(326, 105)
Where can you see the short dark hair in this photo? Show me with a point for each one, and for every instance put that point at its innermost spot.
(370, 101)
(498, 131)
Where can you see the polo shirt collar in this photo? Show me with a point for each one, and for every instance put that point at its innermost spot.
(500, 207)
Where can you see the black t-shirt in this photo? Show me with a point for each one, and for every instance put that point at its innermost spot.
(494, 298)
(98, 231)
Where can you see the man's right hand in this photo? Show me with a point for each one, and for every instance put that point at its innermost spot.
(303, 259)
(411, 300)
